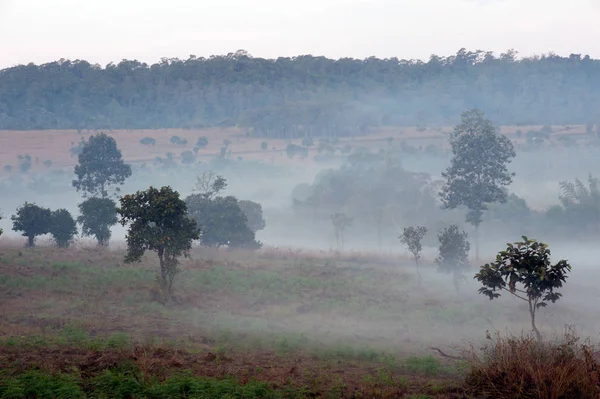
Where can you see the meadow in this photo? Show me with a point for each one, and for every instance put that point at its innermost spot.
(274, 323)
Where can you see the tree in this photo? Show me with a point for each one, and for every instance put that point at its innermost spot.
(97, 216)
(100, 167)
(411, 237)
(264, 146)
(478, 171)
(202, 142)
(221, 222)
(148, 141)
(525, 271)
(453, 255)
(187, 157)
(62, 227)
(581, 204)
(158, 222)
(340, 222)
(209, 184)
(32, 221)
(254, 215)
(24, 163)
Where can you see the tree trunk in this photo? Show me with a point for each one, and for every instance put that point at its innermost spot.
(418, 272)
(31, 241)
(456, 281)
(163, 268)
(538, 335)
(477, 242)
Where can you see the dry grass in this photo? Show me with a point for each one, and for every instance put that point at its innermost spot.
(523, 367)
(54, 145)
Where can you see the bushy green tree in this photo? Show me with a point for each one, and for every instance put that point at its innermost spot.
(62, 227)
(100, 167)
(411, 237)
(97, 216)
(524, 270)
(453, 255)
(221, 222)
(254, 215)
(158, 221)
(32, 221)
(478, 172)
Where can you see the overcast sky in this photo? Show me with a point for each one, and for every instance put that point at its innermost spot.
(109, 30)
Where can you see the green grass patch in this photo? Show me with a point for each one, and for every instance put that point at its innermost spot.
(127, 382)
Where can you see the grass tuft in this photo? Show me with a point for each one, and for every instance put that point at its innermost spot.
(523, 367)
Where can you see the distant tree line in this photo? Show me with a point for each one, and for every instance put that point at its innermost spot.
(304, 96)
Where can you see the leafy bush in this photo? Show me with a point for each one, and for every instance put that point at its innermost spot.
(254, 215)
(32, 221)
(202, 142)
(148, 141)
(62, 227)
(453, 253)
(178, 140)
(188, 157)
(264, 145)
(97, 216)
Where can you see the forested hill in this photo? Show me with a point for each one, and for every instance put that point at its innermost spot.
(300, 95)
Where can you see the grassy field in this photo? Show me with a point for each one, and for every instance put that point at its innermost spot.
(272, 324)
(54, 145)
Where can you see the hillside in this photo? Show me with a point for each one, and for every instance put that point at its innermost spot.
(304, 95)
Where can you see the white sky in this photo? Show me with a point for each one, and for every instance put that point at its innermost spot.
(109, 30)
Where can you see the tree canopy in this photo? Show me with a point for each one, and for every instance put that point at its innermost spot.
(525, 271)
(478, 174)
(302, 95)
(32, 220)
(100, 166)
(158, 221)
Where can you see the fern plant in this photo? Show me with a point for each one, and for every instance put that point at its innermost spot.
(581, 203)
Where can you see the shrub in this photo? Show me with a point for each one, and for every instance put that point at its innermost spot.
(62, 227)
(202, 142)
(523, 367)
(188, 157)
(453, 253)
(148, 141)
(264, 145)
(178, 140)
(32, 221)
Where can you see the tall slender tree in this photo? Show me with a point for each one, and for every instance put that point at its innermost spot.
(478, 172)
